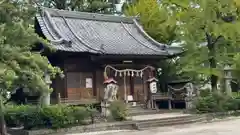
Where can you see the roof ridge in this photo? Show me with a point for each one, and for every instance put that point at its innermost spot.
(88, 16)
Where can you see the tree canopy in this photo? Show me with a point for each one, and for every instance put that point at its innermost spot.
(19, 65)
(208, 31)
(96, 6)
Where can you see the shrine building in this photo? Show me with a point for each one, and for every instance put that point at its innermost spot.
(93, 48)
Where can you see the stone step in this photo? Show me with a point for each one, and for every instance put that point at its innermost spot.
(163, 119)
(168, 122)
(171, 123)
(142, 113)
(134, 112)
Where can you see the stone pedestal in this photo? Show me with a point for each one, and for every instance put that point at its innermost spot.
(189, 105)
(105, 109)
(227, 79)
(45, 99)
(228, 87)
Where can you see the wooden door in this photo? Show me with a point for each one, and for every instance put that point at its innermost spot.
(138, 88)
(79, 85)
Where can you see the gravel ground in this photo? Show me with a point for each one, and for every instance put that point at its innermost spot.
(228, 127)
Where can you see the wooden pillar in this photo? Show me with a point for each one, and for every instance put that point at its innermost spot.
(125, 89)
(59, 98)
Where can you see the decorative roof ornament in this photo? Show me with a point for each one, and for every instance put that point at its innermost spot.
(110, 80)
(152, 79)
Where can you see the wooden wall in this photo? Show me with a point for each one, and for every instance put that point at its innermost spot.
(77, 69)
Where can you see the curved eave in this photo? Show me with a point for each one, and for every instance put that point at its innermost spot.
(147, 36)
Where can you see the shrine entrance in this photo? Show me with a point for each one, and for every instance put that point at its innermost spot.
(132, 82)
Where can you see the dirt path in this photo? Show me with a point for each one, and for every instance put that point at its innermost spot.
(230, 127)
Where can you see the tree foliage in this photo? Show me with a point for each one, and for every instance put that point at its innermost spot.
(19, 65)
(161, 25)
(208, 31)
(96, 6)
(155, 18)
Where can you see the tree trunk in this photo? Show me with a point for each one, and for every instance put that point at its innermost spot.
(3, 130)
(212, 60)
(213, 78)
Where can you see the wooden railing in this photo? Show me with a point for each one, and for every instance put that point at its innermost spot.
(82, 101)
(78, 102)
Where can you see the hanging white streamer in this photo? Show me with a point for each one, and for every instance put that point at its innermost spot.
(129, 72)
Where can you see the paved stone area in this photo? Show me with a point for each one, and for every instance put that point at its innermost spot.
(229, 127)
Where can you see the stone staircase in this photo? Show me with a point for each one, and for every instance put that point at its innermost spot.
(168, 121)
(147, 118)
(139, 110)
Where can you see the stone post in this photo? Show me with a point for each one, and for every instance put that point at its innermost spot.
(189, 96)
(45, 97)
(227, 80)
(58, 98)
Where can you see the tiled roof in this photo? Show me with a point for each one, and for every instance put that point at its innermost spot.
(96, 33)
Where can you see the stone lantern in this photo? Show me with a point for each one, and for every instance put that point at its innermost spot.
(45, 97)
(227, 79)
(110, 92)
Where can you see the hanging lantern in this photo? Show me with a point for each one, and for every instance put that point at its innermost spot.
(132, 73)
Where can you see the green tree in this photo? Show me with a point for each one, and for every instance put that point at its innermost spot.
(161, 25)
(155, 18)
(209, 30)
(19, 65)
(96, 6)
